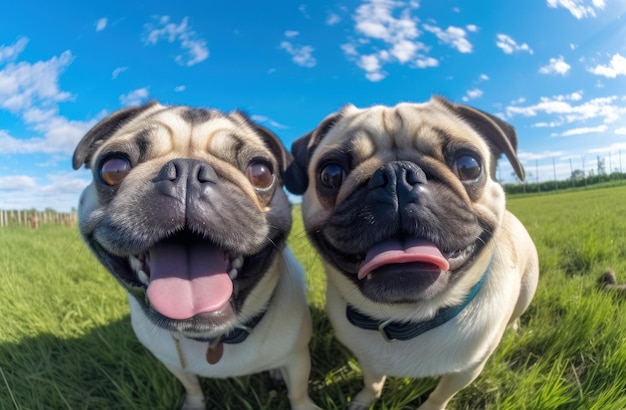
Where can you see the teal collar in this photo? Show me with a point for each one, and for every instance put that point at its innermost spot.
(392, 331)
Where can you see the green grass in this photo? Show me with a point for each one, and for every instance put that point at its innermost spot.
(66, 341)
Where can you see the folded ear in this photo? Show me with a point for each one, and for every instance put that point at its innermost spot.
(296, 176)
(103, 131)
(500, 135)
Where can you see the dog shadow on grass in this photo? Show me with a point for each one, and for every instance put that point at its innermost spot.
(107, 367)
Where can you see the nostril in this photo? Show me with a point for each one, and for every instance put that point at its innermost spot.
(206, 174)
(169, 172)
(378, 180)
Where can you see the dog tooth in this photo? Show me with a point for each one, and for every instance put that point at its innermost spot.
(135, 263)
(238, 262)
(233, 274)
(143, 277)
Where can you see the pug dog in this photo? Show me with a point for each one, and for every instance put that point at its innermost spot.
(186, 210)
(425, 267)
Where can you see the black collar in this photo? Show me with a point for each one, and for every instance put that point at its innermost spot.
(237, 335)
(392, 331)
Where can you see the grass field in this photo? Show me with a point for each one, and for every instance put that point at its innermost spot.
(66, 341)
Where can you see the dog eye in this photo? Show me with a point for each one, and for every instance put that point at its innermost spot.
(114, 170)
(332, 175)
(467, 168)
(260, 175)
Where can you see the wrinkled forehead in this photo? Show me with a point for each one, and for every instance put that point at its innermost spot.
(185, 131)
(405, 126)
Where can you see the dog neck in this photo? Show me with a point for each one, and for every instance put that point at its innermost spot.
(392, 331)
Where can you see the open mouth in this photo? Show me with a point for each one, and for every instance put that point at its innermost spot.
(186, 276)
(183, 280)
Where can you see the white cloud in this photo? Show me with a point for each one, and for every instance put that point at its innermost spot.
(620, 131)
(16, 182)
(510, 46)
(581, 131)
(472, 94)
(180, 88)
(118, 71)
(472, 28)
(453, 36)
(24, 84)
(194, 46)
(556, 66)
(579, 8)
(101, 24)
(387, 33)
(426, 62)
(333, 19)
(535, 156)
(10, 53)
(301, 55)
(567, 109)
(617, 66)
(291, 33)
(483, 77)
(262, 119)
(57, 191)
(135, 97)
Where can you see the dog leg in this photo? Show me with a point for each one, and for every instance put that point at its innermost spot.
(372, 389)
(296, 376)
(449, 385)
(194, 398)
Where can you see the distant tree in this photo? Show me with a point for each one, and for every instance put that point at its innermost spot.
(577, 174)
(601, 166)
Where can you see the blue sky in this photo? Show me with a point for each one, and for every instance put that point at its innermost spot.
(555, 69)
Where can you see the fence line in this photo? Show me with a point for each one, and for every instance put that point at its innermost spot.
(34, 219)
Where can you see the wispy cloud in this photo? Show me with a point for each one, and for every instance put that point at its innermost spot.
(579, 8)
(510, 46)
(135, 97)
(581, 131)
(180, 88)
(456, 37)
(262, 119)
(616, 67)
(333, 19)
(117, 72)
(302, 55)
(472, 94)
(556, 66)
(194, 46)
(10, 53)
(101, 24)
(567, 109)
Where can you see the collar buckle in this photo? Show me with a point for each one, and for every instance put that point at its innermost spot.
(383, 331)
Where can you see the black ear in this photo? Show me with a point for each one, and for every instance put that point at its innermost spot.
(296, 176)
(103, 131)
(500, 135)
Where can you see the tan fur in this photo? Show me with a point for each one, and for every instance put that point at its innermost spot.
(423, 134)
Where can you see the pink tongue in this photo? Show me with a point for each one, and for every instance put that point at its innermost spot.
(187, 280)
(394, 251)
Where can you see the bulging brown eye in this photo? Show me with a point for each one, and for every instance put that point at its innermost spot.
(260, 175)
(332, 176)
(114, 170)
(467, 167)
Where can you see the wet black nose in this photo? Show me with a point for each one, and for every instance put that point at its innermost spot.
(397, 183)
(182, 177)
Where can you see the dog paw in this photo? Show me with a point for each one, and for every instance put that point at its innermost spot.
(194, 403)
(358, 406)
